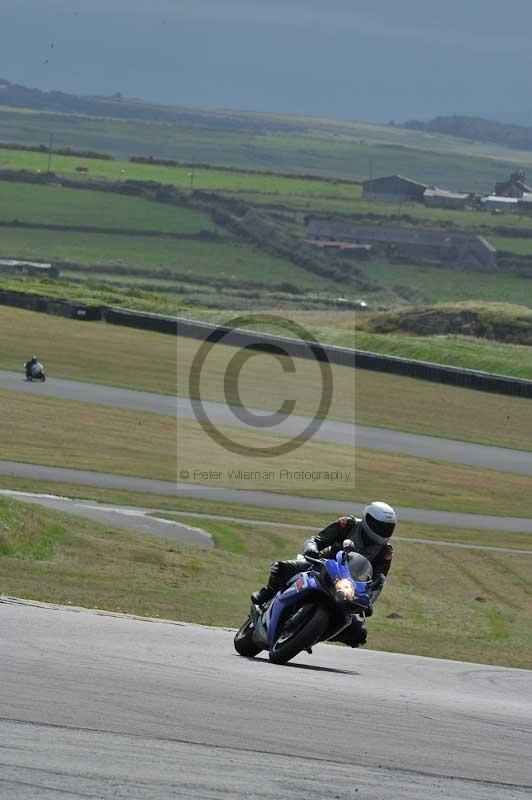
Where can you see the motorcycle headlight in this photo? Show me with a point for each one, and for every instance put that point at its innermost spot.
(345, 588)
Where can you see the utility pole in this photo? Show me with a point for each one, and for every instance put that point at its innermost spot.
(371, 169)
(50, 153)
(191, 176)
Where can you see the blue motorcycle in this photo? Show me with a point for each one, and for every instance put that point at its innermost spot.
(315, 606)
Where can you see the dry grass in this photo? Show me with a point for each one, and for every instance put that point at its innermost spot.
(457, 604)
(92, 352)
(402, 480)
(136, 359)
(84, 436)
(407, 404)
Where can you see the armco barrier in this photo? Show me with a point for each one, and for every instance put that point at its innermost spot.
(424, 370)
(50, 305)
(179, 326)
(140, 319)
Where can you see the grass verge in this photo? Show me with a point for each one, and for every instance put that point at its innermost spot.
(169, 505)
(438, 602)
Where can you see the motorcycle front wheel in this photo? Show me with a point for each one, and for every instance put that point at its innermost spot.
(300, 631)
(243, 641)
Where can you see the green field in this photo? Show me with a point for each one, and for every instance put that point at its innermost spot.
(426, 284)
(481, 601)
(296, 192)
(150, 253)
(324, 147)
(377, 282)
(56, 205)
(521, 246)
(184, 177)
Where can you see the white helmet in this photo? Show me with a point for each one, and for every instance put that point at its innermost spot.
(378, 521)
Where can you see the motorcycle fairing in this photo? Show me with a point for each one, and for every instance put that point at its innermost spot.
(338, 571)
(297, 587)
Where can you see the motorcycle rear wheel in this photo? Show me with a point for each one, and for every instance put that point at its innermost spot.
(290, 643)
(244, 644)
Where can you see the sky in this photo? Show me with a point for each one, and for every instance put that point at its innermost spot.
(372, 61)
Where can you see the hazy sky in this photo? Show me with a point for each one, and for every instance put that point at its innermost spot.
(375, 60)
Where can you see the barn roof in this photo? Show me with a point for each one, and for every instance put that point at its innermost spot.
(445, 194)
(388, 178)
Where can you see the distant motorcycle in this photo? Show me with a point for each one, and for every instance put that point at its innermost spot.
(36, 372)
(315, 606)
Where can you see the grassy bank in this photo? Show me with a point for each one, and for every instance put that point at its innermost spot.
(456, 351)
(452, 604)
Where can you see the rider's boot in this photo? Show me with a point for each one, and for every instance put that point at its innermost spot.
(276, 581)
(263, 595)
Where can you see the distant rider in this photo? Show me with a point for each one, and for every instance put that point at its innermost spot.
(371, 537)
(30, 364)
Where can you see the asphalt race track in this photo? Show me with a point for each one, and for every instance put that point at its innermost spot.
(130, 517)
(96, 705)
(255, 498)
(109, 706)
(142, 520)
(382, 439)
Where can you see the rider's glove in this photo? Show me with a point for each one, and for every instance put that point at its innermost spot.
(378, 583)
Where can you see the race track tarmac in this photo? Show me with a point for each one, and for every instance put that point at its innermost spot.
(254, 498)
(141, 520)
(95, 705)
(382, 439)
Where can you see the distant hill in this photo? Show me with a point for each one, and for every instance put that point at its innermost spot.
(477, 129)
(119, 107)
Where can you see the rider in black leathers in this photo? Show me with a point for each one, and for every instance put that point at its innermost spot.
(370, 535)
(29, 365)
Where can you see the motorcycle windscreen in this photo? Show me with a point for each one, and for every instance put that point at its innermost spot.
(360, 568)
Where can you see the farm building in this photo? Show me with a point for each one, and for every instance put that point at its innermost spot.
(495, 203)
(440, 198)
(524, 205)
(33, 268)
(347, 248)
(515, 186)
(395, 189)
(458, 249)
